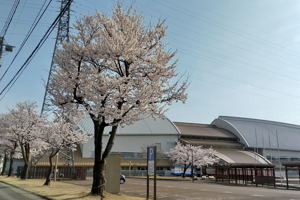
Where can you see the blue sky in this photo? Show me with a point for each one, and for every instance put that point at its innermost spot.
(242, 56)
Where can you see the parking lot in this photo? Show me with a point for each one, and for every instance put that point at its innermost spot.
(185, 190)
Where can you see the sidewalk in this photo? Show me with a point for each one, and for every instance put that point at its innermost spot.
(60, 190)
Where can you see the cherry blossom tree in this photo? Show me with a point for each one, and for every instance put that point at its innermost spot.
(25, 125)
(190, 156)
(8, 143)
(61, 135)
(4, 156)
(115, 68)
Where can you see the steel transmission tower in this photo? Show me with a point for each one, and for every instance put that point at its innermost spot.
(62, 35)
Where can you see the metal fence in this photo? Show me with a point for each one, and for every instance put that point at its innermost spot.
(144, 172)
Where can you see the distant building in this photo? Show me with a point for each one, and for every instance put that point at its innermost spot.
(237, 141)
(132, 141)
(228, 146)
(278, 142)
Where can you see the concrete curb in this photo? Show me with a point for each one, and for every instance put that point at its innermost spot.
(39, 195)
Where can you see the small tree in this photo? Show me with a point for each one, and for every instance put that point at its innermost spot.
(4, 154)
(115, 69)
(61, 136)
(8, 143)
(190, 156)
(25, 123)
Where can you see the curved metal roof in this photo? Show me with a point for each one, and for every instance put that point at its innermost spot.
(238, 157)
(147, 125)
(206, 130)
(255, 133)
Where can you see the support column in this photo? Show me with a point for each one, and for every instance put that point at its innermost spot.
(228, 173)
(274, 177)
(255, 172)
(235, 172)
(287, 177)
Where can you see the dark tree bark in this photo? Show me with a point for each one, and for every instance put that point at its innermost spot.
(50, 170)
(25, 170)
(98, 133)
(11, 159)
(27, 159)
(184, 170)
(99, 163)
(4, 164)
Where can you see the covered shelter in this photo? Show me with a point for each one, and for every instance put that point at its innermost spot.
(237, 165)
(288, 166)
(244, 167)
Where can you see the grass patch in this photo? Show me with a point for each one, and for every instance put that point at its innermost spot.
(61, 190)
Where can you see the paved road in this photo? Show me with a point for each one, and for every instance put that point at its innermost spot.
(11, 193)
(175, 190)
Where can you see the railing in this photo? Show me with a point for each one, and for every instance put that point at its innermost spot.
(144, 172)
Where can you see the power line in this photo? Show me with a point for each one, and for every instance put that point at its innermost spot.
(31, 29)
(10, 17)
(33, 53)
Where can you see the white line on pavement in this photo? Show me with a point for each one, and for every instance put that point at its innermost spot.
(257, 195)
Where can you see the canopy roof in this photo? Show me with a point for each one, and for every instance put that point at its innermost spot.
(239, 157)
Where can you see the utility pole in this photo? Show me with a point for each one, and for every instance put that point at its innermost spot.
(4, 47)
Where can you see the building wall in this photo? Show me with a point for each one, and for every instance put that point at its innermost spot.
(274, 155)
(133, 144)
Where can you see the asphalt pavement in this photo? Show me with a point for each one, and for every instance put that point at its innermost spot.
(186, 190)
(8, 192)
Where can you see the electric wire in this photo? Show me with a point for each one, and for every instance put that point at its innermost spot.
(10, 17)
(31, 29)
(36, 49)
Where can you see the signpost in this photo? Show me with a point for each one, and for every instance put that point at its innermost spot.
(151, 168)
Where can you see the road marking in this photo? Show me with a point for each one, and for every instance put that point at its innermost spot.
(160, 196)
(257, 195)
(227, 192)
(168, 186)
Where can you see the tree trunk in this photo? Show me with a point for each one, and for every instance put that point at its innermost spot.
(98, 133)
(184, 170)
(27, 160)
(4, 164)
(25, 170)
(106, 152)
(50, 170)
(12, 153)
(10, 165)
(99, 165)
